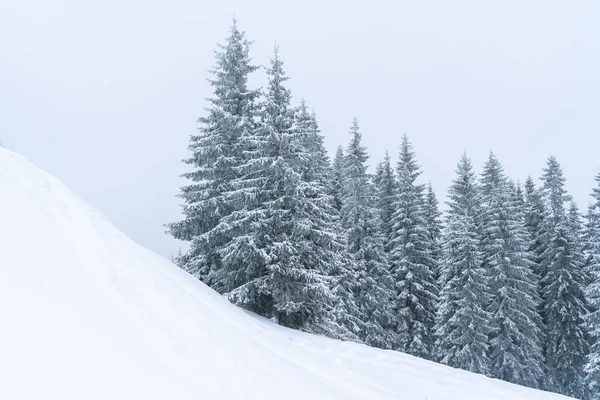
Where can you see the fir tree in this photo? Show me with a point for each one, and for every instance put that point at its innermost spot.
(534, 217)
(591, 232)
(342, 319)
(216, 155)
(575, 226)
(520, 195)
(386, 186)
(411, 262)
(283, 238)
(371, 280)
(315, 166)
(592, 268)
(462, 321)
(563, 302)
(515, 345)
(433, 225)
(337, 178)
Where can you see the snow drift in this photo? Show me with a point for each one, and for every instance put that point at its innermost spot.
(88, 314)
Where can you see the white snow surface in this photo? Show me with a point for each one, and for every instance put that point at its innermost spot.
(88, 314)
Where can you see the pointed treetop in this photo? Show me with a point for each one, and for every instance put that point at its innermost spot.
(574, 215)
(596, 190)
(430, 188)
(492, 176)
(387, 160)
(355, 129)
(385, 173)
(232, 68)
(462, 192)
(355, 147)
(339, 153)
(519, 191)
(553, 188)
(529, 186)
(431, 197)
(278, 94)
(553, 175)
(464, 166)
(407, 155)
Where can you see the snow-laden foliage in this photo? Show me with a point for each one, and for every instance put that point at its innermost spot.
(412, 265)
(592, 267)
(515, 339)
(534, 217)
(217, 154)
(372, 284)
(462, 320)
(337, 178)
(507, 283)
(433, 225)
(387, 187)
(562, 281)
(284, 241)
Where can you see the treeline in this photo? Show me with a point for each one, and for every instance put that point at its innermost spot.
(506, 283)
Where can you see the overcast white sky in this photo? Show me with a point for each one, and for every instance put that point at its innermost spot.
(104, 94)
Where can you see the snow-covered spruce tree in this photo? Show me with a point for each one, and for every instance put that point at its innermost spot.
(434, 228)
(386, 186)
(591, 232)
(534, 217)
(216, 156)
(337, 178)
(462, 321)
(515, 339)
(315, 167)
(592, 267)
(576, 227)
(372, 285)
(563, 302)
(282, 239)
(411, 263)
(433, 214)
(520, 195)
(341, 320)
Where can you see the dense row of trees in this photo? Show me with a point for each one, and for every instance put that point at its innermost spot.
(506, 284)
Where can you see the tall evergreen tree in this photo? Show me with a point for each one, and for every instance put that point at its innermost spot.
(337, 178)
(592, 266)
(515, 339)
(342, 320)
(372, 282)
(534, 217)
(346, 319)
(386, 186)
(285, 242)
(563, 301)
(315, 166)
(411, 263)
(520, 195)
(575, 226)
(462, 321)
(434, 229)
(591, 232)
(216, 155)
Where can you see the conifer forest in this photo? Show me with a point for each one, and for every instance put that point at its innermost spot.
(502, 280)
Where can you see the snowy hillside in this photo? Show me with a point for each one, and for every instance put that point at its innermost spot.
(88, 314)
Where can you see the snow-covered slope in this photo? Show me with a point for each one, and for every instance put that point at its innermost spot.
(88, 314)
